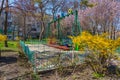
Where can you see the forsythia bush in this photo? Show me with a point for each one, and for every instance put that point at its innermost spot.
(100, 43)
(3, 37)
(100, 49)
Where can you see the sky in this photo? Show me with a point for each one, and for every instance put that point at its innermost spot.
(10, 1)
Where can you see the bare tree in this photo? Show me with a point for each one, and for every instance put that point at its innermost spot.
(26, 9)
(42, 6)
(101, 17)
(56, 6)
(6, 22)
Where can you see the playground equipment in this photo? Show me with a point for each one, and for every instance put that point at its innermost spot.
(76, 29)
(44, 57)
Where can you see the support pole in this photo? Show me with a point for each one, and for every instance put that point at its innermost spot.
(77, 28)
(75, 23)
(59, 36)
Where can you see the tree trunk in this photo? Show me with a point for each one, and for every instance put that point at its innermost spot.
(94, 30)
(42, 31)
(114, 34)
(24, 29)
(111, 33)
(42, 21)
(18, 31)
(42, 26)
(13, 34)
(0, 52)
(6, 22)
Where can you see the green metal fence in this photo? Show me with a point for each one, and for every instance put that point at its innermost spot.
(30, 54)
(27, 51)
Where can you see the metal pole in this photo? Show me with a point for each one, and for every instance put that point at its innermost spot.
(59, 37)
(75, 23)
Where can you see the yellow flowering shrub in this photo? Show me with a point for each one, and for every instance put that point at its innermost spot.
(100, 49)
(100, 43)
(3, 37)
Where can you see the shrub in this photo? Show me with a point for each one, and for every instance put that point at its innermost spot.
(3, 37)
(100, 49)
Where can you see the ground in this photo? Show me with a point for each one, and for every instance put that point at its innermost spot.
(81, 74)
(11, 67)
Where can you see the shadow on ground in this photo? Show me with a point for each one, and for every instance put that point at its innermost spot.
(7, 60)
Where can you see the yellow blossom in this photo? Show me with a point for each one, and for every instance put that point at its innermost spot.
(101, 43)
(3, 37)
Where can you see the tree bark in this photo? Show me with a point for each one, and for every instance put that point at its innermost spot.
(42, 26)
(6, 22)
(114, 34)
(0, 52)
(42, 21)
(24, 28)
(13, 33)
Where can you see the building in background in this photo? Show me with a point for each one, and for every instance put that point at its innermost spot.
(16, 25)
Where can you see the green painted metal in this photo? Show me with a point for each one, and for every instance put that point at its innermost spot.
(76, 26)
(76, 47)
(76, 21)
(29, 54)
(27, 51)
(76, 29)
(58, 26)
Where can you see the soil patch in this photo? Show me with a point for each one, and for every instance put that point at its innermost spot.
(10, 66)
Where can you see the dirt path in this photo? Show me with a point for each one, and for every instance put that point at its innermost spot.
(10, 67)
